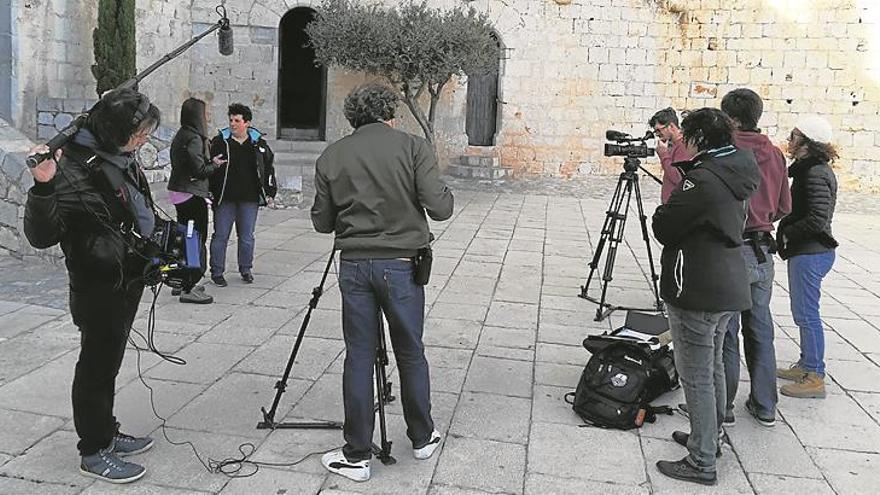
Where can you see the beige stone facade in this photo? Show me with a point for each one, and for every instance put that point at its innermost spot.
(572, 69)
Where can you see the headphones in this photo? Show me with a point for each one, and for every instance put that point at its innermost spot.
(141, 111)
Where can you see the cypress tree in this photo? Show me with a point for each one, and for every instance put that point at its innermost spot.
(114, 44)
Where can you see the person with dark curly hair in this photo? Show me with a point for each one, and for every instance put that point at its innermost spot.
(244, 182)
(703, 280)
(373, 189)
(94, 200)
(806, 241)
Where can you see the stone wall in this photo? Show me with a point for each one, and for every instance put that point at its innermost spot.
(572, 70)
(15, 180)
(53, 54)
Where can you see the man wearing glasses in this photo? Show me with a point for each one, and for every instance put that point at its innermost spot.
(670, 148)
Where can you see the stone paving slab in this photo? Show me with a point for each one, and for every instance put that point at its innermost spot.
(503, 334)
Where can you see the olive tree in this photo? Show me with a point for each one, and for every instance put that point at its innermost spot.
(417, 48)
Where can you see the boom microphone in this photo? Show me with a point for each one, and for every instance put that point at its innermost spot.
(224, 38)
(612, 135)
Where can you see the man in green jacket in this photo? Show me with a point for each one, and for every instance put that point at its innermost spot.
(373, 189)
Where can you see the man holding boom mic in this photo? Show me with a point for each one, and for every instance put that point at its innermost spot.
(93, 199)
(372, 189)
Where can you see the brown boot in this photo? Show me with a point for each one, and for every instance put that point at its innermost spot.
(810, 386)
(793, 372)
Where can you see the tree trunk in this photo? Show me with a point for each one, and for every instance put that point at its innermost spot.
(412, 102)
(432, 108)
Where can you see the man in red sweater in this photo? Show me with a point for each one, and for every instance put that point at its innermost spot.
(670, 149)
(769, 203)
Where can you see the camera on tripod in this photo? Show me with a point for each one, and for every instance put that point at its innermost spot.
(631, 149)
(627, 145)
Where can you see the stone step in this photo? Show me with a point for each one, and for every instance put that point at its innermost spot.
(481, 151)
(284, 145)
(478, 172)
(296, 158)
(492, 162)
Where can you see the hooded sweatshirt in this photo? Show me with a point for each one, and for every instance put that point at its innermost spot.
(139, 204)
(702, 267)
(772, 200)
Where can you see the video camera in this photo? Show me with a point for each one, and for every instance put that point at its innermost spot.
(175, 255)
(634, 147)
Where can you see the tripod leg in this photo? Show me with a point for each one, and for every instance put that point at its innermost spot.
(615, 237)
(383, 388)
(643, 219)
(281, 385)
(608, 226)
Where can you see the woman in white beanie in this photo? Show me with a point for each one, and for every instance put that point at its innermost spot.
(805, 240)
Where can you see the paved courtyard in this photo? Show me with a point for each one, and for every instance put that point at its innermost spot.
(503, 333)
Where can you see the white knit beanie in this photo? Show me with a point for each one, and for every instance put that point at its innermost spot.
(816, 128)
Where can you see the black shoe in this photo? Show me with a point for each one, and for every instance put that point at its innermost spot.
(763, 421)
(247, 278)
(681, 438)
(218, 280)
(683, 470)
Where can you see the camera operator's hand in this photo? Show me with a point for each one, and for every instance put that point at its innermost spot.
(662, 147)
(45, 170)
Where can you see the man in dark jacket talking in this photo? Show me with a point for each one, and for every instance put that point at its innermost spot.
(703, 278)
(373, 188)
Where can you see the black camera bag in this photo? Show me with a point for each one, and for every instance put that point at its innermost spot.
(620, 381)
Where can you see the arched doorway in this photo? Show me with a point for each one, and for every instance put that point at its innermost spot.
(302, 87)
(481, 120)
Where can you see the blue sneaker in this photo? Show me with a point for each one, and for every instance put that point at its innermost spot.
(107, 466)
(124, 445)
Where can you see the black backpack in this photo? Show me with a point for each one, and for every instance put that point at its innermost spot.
(619, 382)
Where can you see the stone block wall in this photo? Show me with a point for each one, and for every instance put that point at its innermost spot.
(572, 69)
(52, 56)
(15, 180)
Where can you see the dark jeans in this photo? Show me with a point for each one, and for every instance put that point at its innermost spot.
(369, 288)
(698, 337)
(196, 209)
(805, 274)
(757, 332)
(104, 318)
(244, 216)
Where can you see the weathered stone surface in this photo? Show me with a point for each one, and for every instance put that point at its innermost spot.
(482, 465)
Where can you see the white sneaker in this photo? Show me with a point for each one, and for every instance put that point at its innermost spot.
(335, 462)
(428, 449)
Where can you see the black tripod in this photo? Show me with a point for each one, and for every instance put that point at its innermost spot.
(613, 232)
(383, 396)
(281, 385)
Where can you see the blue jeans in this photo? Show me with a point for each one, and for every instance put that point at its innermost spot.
(244, 215)
(757, 331)
(805, 274)
(698, 338)
(369, 288)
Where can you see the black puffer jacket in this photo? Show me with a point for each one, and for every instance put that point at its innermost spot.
(807, 230)
(701, 226)
(78, 209)
(190, 165)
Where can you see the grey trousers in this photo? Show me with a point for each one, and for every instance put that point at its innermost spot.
(698, 337)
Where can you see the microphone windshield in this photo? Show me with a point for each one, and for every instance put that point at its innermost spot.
(224, 39)
(612, 135)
